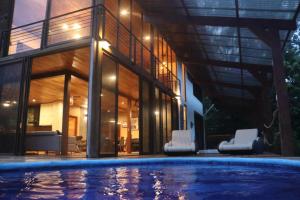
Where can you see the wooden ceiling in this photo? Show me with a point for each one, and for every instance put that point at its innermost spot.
(75, 60)
(49, 90)
(46, 90)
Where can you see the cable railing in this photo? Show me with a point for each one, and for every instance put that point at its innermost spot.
(77, 25)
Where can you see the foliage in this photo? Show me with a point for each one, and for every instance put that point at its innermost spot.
(292, 64)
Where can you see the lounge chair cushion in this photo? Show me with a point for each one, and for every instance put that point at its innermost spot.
(244, 140)
(181, 142)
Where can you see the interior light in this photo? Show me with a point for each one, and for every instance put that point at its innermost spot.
(156, 112)
(164, 63)
(65, 27)
(76, 26)
(6, 104)
(147, 38)
(112, 121)
(14, 102)
(71, 101)
(123, 102)
(112, 77)
(124, 12)
(108, 111)
(101, 95)
(33, 100)
(104, 44)
(77, 36)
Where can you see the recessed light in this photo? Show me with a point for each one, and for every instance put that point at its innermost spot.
(77, 36)
(147, 38)
(65, 27)
(76, 26)
(6, 104)
(124, 12)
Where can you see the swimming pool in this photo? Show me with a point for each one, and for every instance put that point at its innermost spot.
(153, 178)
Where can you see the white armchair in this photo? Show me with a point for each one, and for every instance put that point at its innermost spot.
(245, 140)
(181, 142)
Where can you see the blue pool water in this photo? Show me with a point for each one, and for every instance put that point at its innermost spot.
(154, 179)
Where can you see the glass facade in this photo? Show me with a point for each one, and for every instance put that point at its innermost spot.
(146, 118)
(9, 105)
(29, 37)
(108, 125)
(72, 26)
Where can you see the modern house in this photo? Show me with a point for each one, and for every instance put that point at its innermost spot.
(95, 78)
(115, 77)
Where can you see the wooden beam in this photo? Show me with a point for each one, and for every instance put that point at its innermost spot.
(220, 21)
(272, 38)
(66, 113)
(217, 63)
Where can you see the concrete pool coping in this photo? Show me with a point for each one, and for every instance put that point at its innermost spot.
(113, 162)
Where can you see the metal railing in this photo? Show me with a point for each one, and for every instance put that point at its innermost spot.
(77, 25)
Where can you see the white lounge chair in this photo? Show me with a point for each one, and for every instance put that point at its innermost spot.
(181, 142)
(244, 141)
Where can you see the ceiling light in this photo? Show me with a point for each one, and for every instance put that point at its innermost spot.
(76, 26)
(33, 100)
(6, 104)
(124, 12)
(104, 44)
(65, 27)
(147, 38)
(77, 36)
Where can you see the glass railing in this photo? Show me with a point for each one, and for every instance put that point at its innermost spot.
(74, 26)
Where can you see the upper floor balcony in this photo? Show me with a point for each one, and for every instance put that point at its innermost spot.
(123, 30)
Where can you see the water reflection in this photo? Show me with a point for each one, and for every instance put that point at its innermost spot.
(150, 182)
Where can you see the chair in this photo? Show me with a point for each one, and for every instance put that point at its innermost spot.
(244, 141)
(181, 142)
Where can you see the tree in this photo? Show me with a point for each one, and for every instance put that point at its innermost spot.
(292, 64)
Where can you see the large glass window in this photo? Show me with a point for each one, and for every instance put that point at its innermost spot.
(169, 118)
(29, 37)
(71, 26)
(9, 100)
(111, 28)
(108, 107)
(128, 113)
(146, 117)
(157, 113)
(164, 117)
